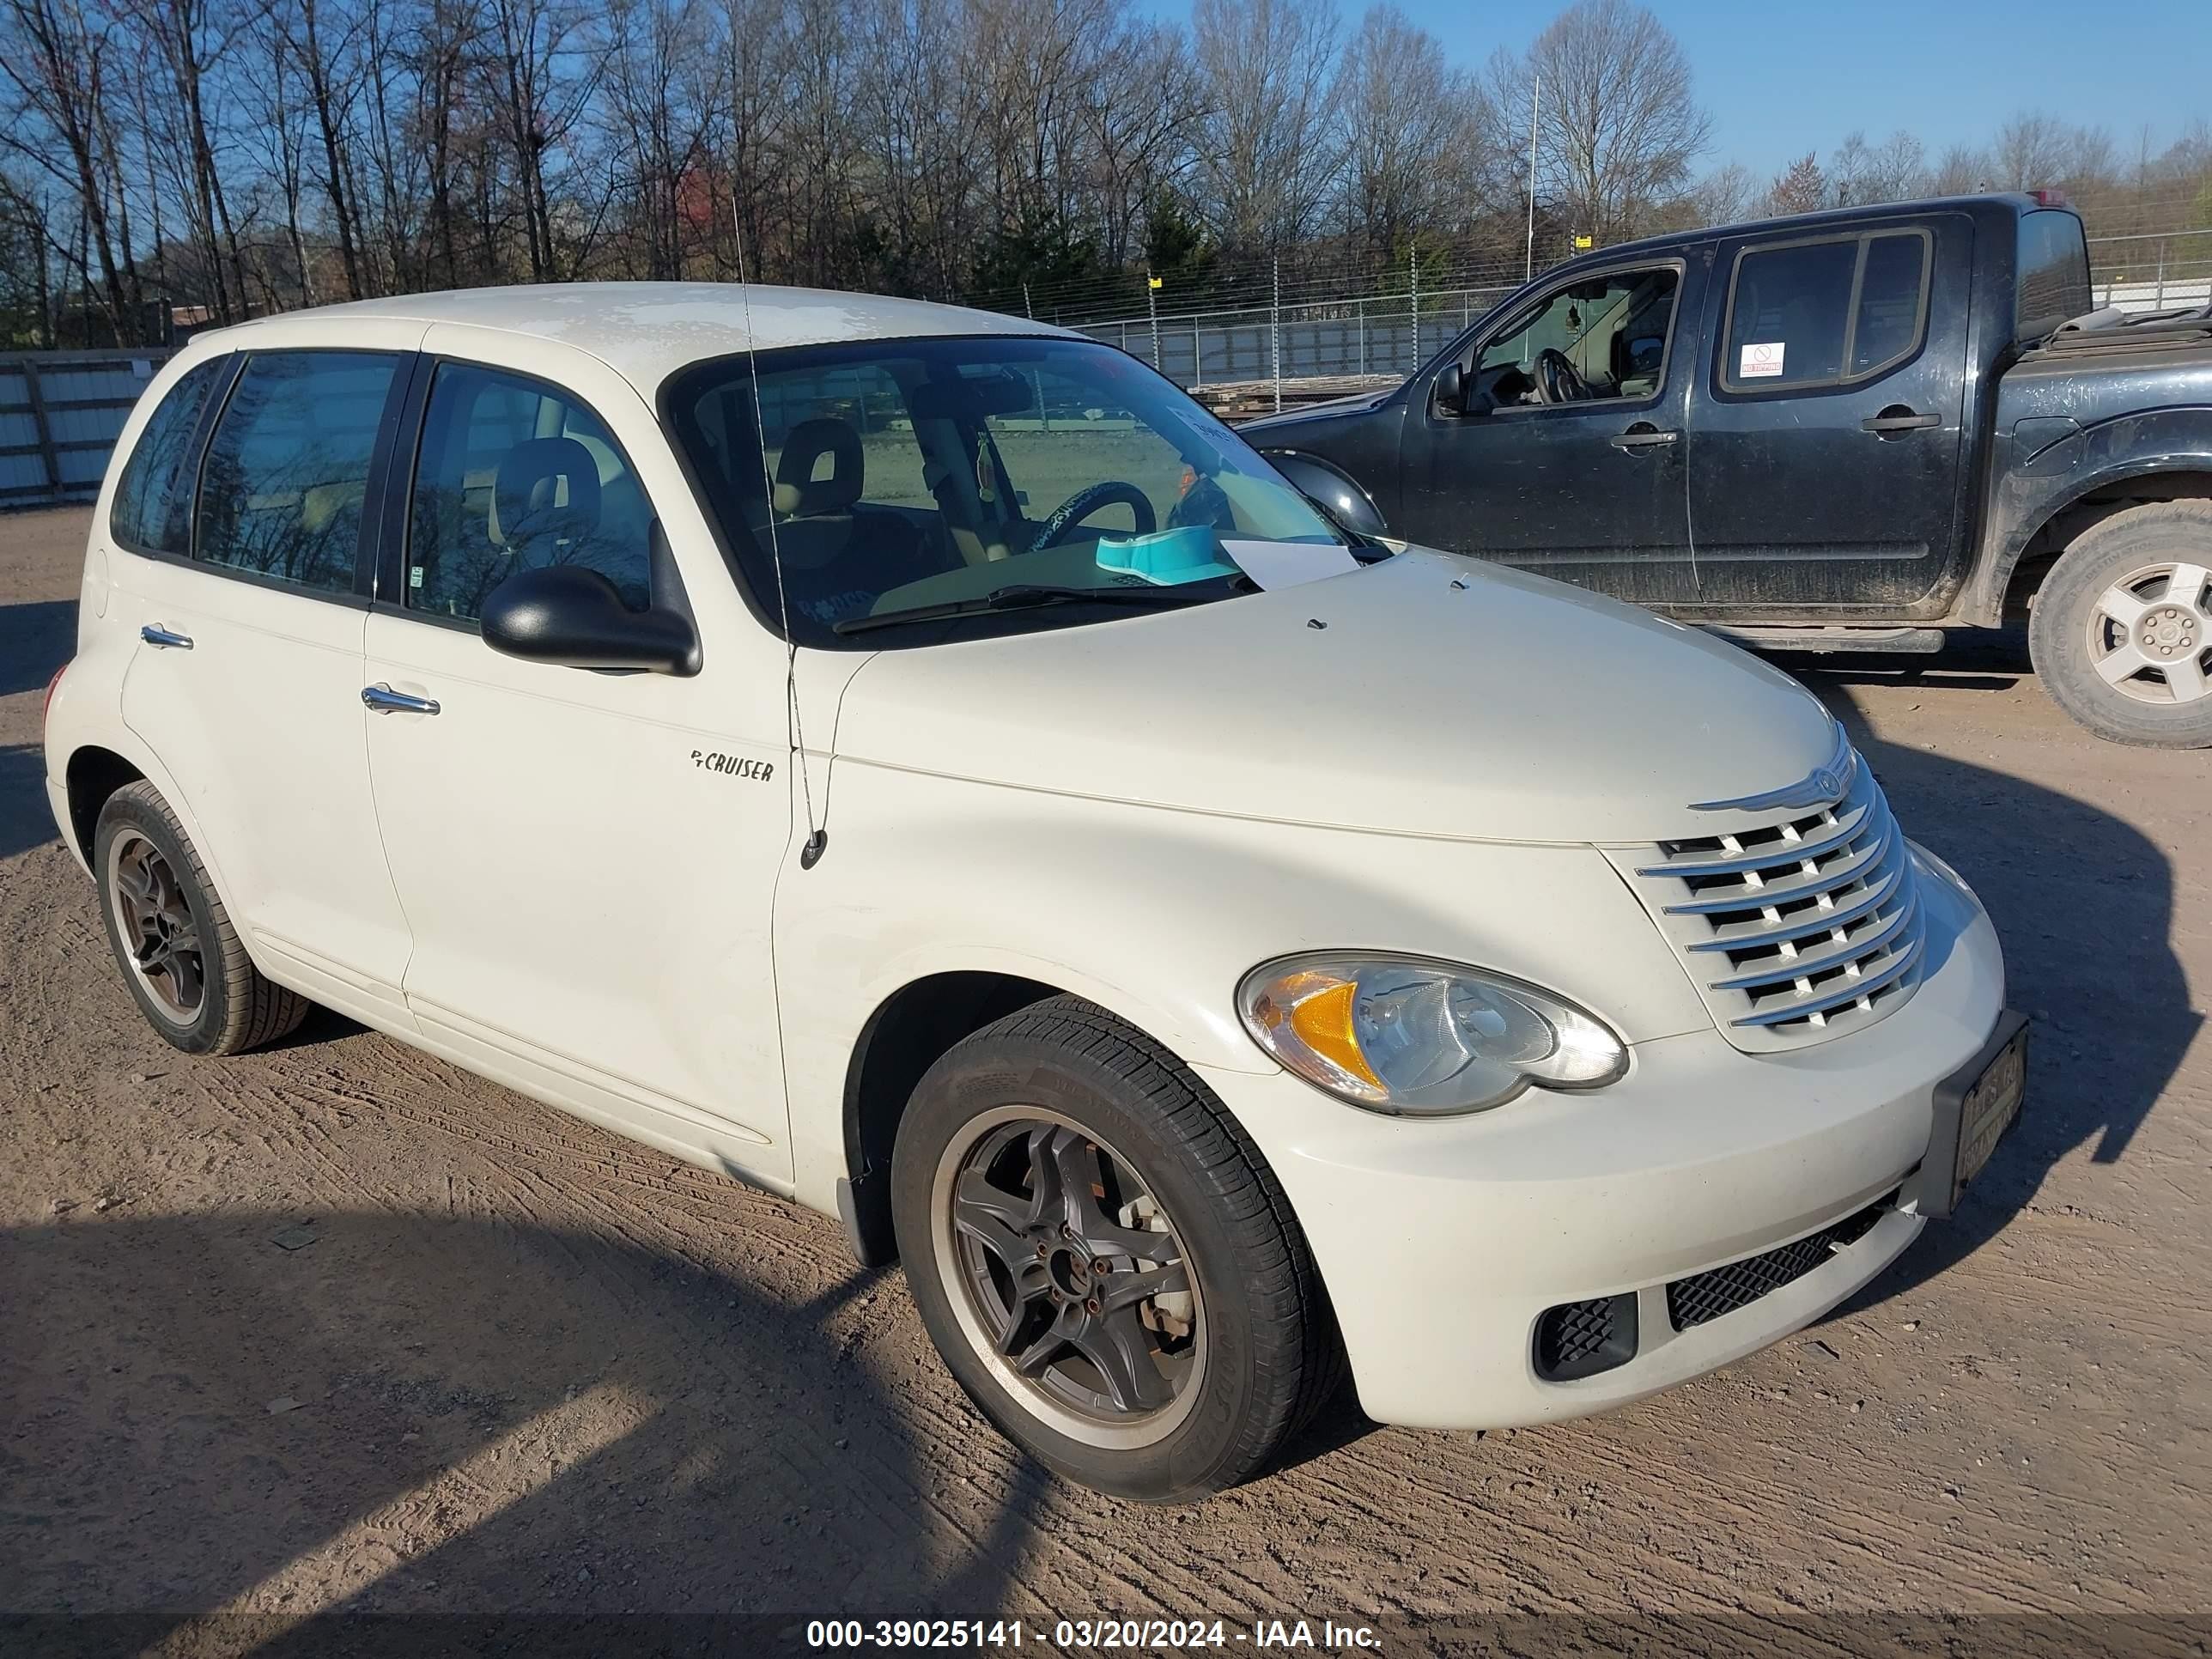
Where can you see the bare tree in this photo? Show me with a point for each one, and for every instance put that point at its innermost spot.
(1619, 126)
(1266, 157)
(1406, 131)
(1801, 187)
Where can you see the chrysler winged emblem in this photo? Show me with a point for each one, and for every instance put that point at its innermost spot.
(1824, 786)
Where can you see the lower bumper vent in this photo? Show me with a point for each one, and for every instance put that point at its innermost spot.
(1581, 1338)
(1708, 1295)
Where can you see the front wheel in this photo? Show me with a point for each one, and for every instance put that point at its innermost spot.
(1104, 1259)
(2121, 632)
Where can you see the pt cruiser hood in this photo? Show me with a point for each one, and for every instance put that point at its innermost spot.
(1426, 695)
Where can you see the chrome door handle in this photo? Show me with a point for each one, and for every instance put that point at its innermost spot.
(384, 700)
(1643, 435)
(165, 639)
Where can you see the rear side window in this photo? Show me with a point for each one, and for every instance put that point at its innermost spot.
(285, 485)
(153, 498)
(1824, 313)
(2054, 273)
(514, 474)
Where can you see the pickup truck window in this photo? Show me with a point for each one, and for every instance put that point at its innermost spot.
(1823, 314)
(2054, 274)
(1609, 331)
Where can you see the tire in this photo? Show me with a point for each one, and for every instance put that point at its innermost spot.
(1062, 1087)
(2113, 635)
(181, 958)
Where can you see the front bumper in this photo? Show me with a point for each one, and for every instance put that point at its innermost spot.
(1442, 1241)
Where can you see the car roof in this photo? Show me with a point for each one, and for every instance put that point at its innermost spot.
(1827, 218)
(647, 331)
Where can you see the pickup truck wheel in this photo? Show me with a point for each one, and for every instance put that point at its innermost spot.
(181, 957)
(2121, 631)
(1104, 1259)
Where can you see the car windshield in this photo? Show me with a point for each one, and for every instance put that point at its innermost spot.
(910, 489)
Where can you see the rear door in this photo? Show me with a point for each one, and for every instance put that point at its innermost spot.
(246, 681)
(1825, 432)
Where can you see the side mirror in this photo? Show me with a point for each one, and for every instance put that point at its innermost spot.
(565, 614)
(1451, 389)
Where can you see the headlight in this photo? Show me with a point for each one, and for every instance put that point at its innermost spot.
(1419, 1037)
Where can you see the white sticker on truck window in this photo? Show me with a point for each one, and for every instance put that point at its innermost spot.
(1759, 362)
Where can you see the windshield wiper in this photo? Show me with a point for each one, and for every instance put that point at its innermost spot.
(1020, 596)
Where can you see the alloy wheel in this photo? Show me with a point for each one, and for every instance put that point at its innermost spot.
(2149, 633)
(1069, 1277)
(155, 922)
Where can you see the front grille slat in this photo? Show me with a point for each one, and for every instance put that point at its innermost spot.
(1796, 925)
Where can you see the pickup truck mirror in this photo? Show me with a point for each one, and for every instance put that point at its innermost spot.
(565, 614)
(1450, 392)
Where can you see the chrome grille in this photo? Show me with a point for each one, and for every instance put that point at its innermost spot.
(1800, 926)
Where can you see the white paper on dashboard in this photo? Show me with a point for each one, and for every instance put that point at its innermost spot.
(1286, 564)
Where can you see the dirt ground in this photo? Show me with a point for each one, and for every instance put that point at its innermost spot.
(339, 1330)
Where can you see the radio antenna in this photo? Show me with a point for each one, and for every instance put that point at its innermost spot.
(817, 838)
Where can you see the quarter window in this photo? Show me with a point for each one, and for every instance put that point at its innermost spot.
(515, 474)
(153, 497)
(1824, 313)
(286, 480)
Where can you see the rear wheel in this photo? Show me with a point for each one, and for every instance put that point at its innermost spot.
(2121, 630)
(1104, 1260)
(172, 937)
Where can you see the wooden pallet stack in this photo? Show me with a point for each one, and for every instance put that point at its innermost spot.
(1245, 400)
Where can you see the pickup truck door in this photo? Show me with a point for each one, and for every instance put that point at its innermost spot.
(1578, 476)
(1825, 432)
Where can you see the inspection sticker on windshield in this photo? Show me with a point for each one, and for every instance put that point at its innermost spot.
(1760, 361)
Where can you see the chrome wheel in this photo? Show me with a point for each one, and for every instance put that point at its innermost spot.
(154, 922)
(1069, 1277)
(2149, 637)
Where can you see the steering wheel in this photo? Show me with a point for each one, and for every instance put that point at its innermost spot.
(1557, 379)
(1087, 500)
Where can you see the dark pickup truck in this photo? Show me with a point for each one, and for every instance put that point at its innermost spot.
(1843, 431)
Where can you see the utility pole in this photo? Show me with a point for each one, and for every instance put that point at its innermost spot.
(1536, 103)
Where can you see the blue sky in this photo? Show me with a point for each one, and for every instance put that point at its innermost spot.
(1782, 78)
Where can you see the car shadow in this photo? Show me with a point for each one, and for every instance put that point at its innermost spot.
(25, 818)
(234, 1431)
(2083, 904)
(36, 637)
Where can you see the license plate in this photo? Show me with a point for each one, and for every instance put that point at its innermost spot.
(1975, 1108)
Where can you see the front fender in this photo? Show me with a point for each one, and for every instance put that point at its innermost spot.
(2042, 479)
(1156, 915)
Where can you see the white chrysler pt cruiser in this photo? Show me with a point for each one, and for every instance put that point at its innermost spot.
(920, 762)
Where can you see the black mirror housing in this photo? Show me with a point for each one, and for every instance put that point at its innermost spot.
(1451, 389)
(567, 615)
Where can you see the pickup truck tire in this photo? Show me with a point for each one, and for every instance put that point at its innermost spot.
(1060, 1141)
(180, 956)
(2121, 630)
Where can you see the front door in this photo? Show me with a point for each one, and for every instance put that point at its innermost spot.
(1826, 435)
(587, 860)
(247, 680)
(1565, 456)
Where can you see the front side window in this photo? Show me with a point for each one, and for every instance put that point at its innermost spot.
(285, 483)
(1602, 338)
(1824, 313)
(153, 497)
(514, 474)
(892, 482)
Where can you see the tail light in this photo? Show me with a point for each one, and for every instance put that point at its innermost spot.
(52, 686)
